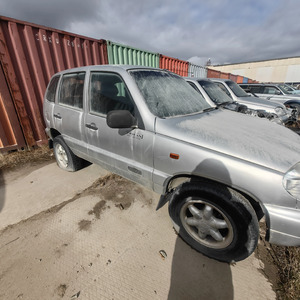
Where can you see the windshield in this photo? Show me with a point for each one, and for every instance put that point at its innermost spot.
(214, 92)
(237, 90)
(167, 94)
(286, 89)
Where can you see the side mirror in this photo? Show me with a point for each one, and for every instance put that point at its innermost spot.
(277, 93)
(120, 119)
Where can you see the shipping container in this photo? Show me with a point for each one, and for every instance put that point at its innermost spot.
(239, 79)
(233, 77)
(197, 71)
(175, 65)
(213, 73)
(245, 80)
(11, 136)
(30, 54)
(224, 75)
(126, 55)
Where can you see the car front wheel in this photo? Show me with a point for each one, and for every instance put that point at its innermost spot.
(214, 220)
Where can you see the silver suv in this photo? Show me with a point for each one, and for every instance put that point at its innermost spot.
(220, 171)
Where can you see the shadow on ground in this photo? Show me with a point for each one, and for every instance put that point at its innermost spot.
(195, 276)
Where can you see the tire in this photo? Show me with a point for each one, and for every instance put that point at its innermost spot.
(214, 220)
(64, 156)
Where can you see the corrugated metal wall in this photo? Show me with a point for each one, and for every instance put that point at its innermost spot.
(126, 55)
(30, 54)
(11, 136)
(233, 77)
(224, 75)
(197, 71)
(213, 73)
(175, 65)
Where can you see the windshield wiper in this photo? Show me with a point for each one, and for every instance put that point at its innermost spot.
(210, 109)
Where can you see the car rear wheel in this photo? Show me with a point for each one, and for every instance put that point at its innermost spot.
(214, 220)
(64, 156)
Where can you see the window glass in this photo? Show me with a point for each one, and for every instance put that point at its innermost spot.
(223, 88)
(51, 91)
(236, 89)
(108, 92)
(270, 90)
(71, 91)
(286, 89)
(167, 94)
(215, 93)
(254, 89)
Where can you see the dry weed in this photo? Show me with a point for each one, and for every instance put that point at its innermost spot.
(287, 260)
(18, 159)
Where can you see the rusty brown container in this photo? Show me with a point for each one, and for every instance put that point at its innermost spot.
(224, 75)
(239, 79)
(233, 77)
(213, 73)
(30, 54)
(11, 136)
(175, 65)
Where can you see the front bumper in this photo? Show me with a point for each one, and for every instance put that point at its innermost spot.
(284, 225)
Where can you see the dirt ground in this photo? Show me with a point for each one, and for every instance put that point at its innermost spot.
(93, 235)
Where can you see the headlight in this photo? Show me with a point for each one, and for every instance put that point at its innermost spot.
(279, 111)
(277, 121)
(291, 181)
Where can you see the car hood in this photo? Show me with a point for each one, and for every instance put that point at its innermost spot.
(251, 139)
(259, 102)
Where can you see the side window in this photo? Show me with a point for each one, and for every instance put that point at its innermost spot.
(223, 88)
(71, 91)
(194, 87)
(270, 90)
(51, 91)
(107, 91)
(254, 88)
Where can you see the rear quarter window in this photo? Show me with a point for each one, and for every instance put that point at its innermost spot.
(51, 91)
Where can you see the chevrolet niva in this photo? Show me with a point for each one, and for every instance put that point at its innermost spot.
(220, 171)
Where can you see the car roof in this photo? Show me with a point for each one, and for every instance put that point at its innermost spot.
(196, 78)
(221, 79)
(108, 68)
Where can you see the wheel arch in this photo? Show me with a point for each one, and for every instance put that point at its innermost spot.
(290, 103)
(175, 181)
(53, 134)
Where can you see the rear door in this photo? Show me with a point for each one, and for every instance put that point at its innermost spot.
(68, 112)
(127, 152)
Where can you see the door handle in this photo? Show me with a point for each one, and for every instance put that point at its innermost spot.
(91, 126)
(58, 116)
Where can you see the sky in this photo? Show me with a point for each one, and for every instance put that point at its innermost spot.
(221, 31)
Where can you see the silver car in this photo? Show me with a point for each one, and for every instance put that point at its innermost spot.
(234, 91)
(215, 95)
(220, 171)
(279, 93)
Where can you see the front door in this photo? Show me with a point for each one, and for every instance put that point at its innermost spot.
(127, 152)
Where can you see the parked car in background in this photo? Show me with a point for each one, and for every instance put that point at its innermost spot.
(219, 170)
(215, 95)
(280, 93)
(233, 90)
